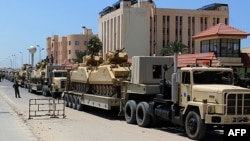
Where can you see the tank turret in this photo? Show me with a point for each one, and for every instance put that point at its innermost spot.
(116, 57)
(92, 60)
(39, 71)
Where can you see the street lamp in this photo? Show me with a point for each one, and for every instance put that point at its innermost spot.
(14, 60)
(21, 57)
(10, 61)
(40, 49)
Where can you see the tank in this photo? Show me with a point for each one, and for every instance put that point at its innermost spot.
(38, 73)
(21, 75)
(101, 77)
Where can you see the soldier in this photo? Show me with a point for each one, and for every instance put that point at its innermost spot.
(16, 87)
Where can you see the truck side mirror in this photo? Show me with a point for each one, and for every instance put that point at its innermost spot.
(178, 77)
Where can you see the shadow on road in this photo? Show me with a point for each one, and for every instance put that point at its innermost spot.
(210, 135)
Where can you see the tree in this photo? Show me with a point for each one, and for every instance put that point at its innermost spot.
(94, 45)
(174, 47)
(79, 56)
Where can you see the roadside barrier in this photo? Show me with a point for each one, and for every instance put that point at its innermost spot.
(46, 107)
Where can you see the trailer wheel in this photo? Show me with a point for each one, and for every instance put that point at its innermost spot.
(194, 126)
(73, 101)
(79, 105)
(130, 112)
(70, 100)
(66, 100)
(142, 116)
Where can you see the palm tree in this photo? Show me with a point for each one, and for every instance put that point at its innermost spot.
(174, 47)
(79, 56)
(94, 45)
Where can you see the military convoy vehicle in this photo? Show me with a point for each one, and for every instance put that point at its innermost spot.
(54, 81)
(99, 80)
(21, 76)
(36, 77)
(47, 79)
(152, 89)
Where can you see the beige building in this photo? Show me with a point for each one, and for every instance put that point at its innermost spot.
(143, 29)
(64, 48)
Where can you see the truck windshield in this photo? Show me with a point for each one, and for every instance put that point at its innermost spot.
(213, 77)
(60, 74)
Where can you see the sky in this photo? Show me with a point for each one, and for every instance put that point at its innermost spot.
(25, 23)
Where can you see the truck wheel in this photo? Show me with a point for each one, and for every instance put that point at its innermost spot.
(74, 106)
(130, 112)
(66, 100)
(72, 101)
(79, 105)
(142, 116)
(195, 127)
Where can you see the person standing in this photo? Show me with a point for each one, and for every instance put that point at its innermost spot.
(16, 87)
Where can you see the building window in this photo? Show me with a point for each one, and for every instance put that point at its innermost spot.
(164, 20)
(69, 51)
(69, 43)
(77, 43)
(218, 20)
(214, 21)
(157, 71)
(226, 21)
(222, 47)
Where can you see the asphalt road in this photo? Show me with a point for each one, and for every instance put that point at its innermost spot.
(12, 126)
(89, 125)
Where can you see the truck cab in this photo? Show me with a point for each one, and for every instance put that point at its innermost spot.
(55, 81)
(202, 97)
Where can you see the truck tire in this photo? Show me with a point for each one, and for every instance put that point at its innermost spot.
(194, 126)
(66, 100)
(130, 112)
(142, 116)
(70, 96)
(72, 101)
(79, 105)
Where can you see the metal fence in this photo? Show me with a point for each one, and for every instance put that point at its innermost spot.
(50, 107)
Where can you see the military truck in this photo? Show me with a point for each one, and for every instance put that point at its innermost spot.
(36, 77)
(54, 81)
(196, 97)
(21, 76)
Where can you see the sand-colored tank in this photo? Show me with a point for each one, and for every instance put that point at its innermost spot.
(101, 77)
(21, 75)
(38, 73)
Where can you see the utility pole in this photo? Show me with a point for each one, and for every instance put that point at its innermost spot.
(21, 58)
